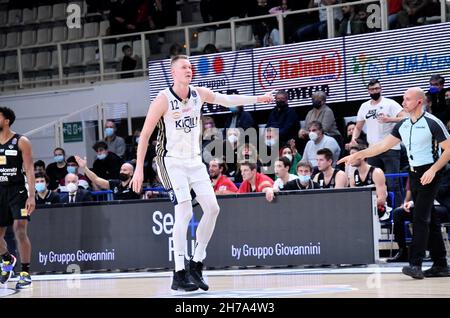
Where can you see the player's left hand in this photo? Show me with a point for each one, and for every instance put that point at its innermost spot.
(428, 176)
(266, 98)
(30, 205)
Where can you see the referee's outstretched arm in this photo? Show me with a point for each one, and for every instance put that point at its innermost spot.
(387, 143)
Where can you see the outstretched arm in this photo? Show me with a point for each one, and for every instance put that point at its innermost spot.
(102, 183)
(211, 97)
(387, 143)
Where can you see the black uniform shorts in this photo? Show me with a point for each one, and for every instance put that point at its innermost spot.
(12, 204)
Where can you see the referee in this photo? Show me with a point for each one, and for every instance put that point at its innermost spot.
(428, 147)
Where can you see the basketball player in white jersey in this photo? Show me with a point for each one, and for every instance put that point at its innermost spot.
(176, 111)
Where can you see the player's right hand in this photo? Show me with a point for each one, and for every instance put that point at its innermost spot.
(81, 162)
(137, 180)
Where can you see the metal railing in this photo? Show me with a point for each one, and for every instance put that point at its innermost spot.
(60, 73)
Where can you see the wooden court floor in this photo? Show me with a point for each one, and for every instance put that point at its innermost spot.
(377, 281)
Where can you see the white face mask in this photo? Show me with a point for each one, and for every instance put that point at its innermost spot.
(270, 142)
(289, 156)
(232, 139)
(313, 136)
(71, 187)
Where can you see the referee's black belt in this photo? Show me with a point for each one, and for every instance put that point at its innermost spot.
(420, 168)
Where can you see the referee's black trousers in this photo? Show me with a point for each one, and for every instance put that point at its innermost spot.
(425, 223)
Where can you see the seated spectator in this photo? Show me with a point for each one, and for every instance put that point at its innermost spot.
(436, 92)
(394, 7)
(115, 143)
(43, 195)
(221, 183)
(239, 118)
(155, 182)
(122, 17)
(107, 165)
(367, 175)
(253, 180)
(304, 180)
(39, 166)
(272, 35)
(56, 170)
(282, 6)
(328, 177)
(403, 214)
(282, 167)
(210, 49)
(230, 151)
(283, 118)
(362, 139)
(323, 114)
(74, 193)
(131, 146)
(291, 153)
(120, 187)
(318, 30)
(210, 134)
(175, 49)
(129, 61)
(412, 11)
(246, 152)
(351, 24)
(72, 167)
(269, 152)
(318, 140)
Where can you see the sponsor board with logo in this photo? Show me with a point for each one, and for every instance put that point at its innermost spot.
(341, 67)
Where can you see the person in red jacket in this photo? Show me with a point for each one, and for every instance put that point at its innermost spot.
(253, 180)
(221, 183)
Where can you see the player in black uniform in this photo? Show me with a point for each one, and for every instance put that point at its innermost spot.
(15, 204)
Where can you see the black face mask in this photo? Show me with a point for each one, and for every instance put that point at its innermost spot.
(447, 102)
(123, 177)
(281, 104)
(375, 96)
(317, 104)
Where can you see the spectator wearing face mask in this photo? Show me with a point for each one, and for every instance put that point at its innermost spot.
(56, 170)
(43, 195)
(239, 118)
(267, 155)
(292, 154)
(230, 150)
(304, 181)
(120, 187)
(72, 167)
(115, 143)
(323, 114)
(74, 193)
(107, 165)
(380, 114)
(318, 140)
(283, 118)
(440, 106)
